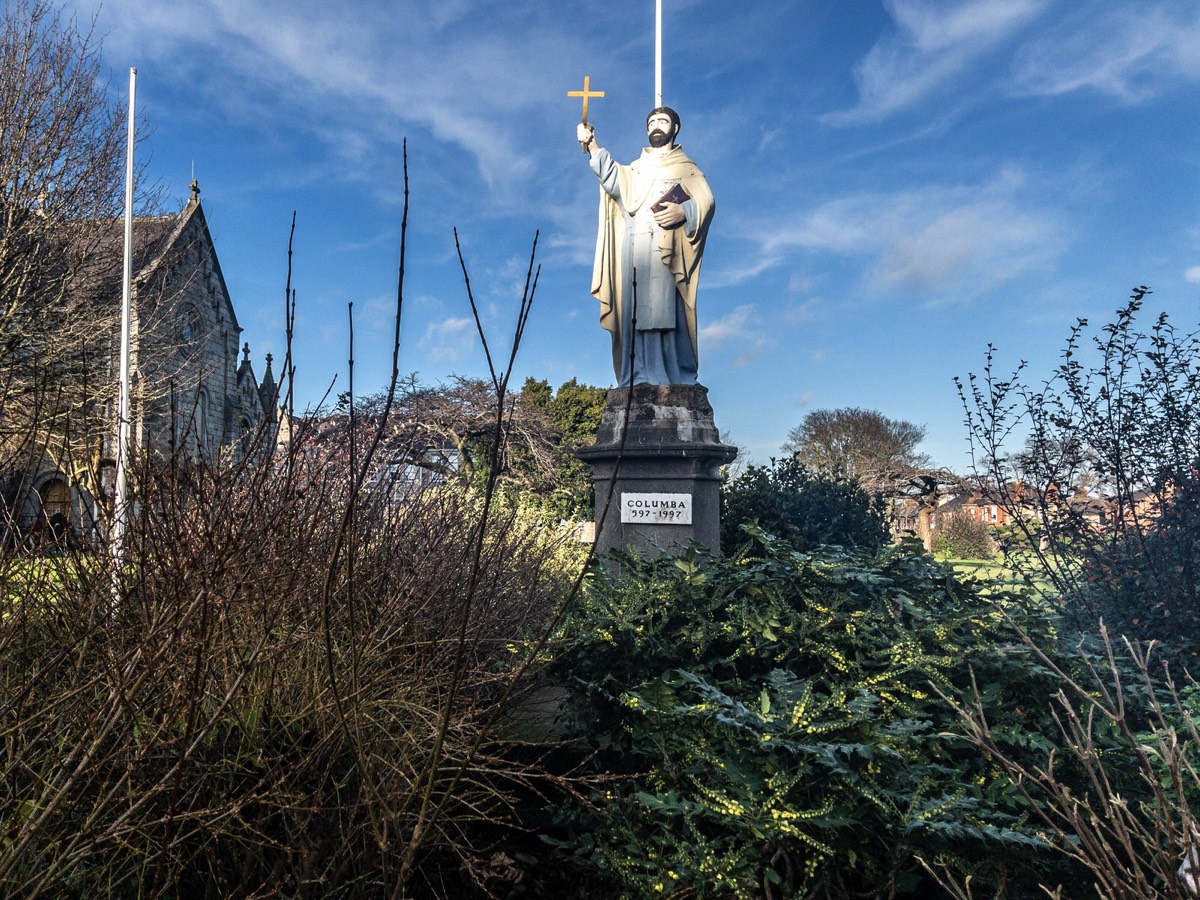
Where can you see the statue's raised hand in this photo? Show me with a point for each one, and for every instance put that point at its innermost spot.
(586, 135)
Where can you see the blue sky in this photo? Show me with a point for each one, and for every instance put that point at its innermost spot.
(898, 182)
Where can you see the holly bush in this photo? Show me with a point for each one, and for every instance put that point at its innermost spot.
(772, 726)
(808, 509)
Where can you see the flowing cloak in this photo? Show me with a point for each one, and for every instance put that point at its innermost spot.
(680, 252)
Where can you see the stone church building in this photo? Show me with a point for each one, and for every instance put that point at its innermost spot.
(194, 389)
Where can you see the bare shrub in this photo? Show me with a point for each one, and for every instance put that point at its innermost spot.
(962, 537)
(1118, 795)
(300, 681)
(1103, 496)
(259, 711)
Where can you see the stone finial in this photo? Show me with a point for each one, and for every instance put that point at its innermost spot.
(246, 352)
(195, 189)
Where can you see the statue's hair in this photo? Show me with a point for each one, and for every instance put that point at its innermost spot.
(670, 113)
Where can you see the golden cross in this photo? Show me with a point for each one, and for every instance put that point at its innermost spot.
(586, 94)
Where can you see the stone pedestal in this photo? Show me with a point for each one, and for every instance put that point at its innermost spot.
(662, 450)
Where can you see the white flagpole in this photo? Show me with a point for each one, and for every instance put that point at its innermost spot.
(120, 492)
(657, 53)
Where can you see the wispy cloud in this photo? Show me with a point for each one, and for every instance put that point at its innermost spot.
(742, 270)
(1128, 52)
(803, 313)
(378, 314)
(357, 80)
(803, 401)
(965, 251)
(935, 41)
(449, 340)
(740, 328)
(944, 241)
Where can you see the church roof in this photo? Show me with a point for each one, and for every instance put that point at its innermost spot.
(102, 256)
(155, 240)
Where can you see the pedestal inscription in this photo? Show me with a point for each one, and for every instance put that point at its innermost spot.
(663, 509)
(656, 448)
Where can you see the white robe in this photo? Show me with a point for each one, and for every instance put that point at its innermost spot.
(666, 263)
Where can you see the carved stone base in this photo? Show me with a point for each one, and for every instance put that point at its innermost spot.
(662, 455)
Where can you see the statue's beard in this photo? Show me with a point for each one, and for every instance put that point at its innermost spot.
(659, 138)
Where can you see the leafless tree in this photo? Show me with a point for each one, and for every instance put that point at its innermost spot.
(62, 140)
(447, 430)
(878, 452)
(862, 443)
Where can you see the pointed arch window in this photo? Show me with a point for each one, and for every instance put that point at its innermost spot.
(200, 421)
(191, 326)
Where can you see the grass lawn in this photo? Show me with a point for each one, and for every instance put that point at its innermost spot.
(22, 578)
(990, 570)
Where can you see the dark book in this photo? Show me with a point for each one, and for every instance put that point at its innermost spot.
(675, 195)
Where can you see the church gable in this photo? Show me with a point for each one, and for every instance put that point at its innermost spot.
(189, 392)
(188, 346)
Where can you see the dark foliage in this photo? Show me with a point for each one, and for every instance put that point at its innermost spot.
(564, 487)
(1147, 583)
(808, 510)
(779, 729)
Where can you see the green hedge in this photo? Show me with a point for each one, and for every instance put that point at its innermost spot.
(772, 726)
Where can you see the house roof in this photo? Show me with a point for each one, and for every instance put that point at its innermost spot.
(952, 505)
(190, 221)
